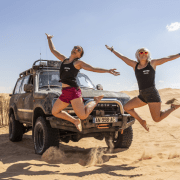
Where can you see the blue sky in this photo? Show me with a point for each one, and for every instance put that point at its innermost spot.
(127, 25)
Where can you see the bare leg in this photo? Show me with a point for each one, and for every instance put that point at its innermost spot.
(83, 111)
(157, 114)
(129, 108)
(174, 106)
(91, 105)
(57, 112)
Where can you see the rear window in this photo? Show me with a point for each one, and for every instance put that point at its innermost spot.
(18, 85)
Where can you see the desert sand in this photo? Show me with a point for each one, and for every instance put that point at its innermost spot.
(153, 155)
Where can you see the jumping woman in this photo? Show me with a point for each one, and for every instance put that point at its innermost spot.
(71, 92)
(145, 70)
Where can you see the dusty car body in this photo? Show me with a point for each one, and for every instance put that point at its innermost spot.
(36, 91)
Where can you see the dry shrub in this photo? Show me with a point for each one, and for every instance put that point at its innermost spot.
(4, 109)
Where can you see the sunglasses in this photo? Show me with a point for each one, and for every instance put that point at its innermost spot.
(79, 50)
(143, 52)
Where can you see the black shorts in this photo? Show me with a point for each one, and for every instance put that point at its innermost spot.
(149, 95)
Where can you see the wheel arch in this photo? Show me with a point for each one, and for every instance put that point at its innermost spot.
(13, 109)
(37, 113)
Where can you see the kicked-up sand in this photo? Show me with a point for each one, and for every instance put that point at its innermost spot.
(153, 155)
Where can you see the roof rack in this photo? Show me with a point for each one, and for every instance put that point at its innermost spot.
(47, 63)
(25, 73)
(50, 64)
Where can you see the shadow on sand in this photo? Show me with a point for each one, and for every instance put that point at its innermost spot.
(107, 170)
(16, 152)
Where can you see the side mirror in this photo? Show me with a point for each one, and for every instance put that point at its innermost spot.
(28, 87)
(99, 87)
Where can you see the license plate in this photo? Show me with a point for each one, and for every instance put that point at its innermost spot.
(105, 119)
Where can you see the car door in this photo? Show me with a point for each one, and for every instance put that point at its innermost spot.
(18, 98)
(26, 106)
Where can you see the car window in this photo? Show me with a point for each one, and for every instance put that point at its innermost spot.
(50, 78)
(25, 81)
(84, 81)
(31, 80)
(17, 88)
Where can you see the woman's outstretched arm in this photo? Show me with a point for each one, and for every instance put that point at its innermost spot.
(56, 53)
(88, 67)
(124, 58)
(157, 62)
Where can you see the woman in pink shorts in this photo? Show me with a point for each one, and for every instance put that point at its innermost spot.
(71, 93)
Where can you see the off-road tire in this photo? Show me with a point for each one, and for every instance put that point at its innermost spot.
(124, 140)
(44, 136)
(15, 129)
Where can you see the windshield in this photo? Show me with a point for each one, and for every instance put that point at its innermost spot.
(84, 81)
(53, 77)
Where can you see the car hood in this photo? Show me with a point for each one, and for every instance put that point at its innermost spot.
(124, 98)
(90, 93)
(107, 94)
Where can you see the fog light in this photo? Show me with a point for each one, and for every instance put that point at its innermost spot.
(70, 111)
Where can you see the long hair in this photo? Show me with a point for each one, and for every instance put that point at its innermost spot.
(145, 49)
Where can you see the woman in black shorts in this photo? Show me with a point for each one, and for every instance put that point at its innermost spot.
(148, 94)
(71, 93)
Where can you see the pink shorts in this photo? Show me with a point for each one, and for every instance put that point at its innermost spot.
(70, 93)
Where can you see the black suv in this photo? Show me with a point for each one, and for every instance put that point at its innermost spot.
(32, 100)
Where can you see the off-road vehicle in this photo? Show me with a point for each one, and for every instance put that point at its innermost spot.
(36, 91)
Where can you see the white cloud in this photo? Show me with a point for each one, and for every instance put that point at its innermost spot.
(161, 81)
(173, 26)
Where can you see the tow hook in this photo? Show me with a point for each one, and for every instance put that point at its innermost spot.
(102, 126)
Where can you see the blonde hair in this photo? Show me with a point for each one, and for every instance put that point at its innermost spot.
(145, 49)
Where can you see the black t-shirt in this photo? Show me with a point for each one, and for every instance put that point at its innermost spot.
(145, 76)
(68, 74)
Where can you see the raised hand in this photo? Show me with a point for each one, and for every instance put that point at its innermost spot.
(49, 36)
(110, 48)
(115, 73)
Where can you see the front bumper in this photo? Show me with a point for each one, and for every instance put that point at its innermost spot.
(124, 121)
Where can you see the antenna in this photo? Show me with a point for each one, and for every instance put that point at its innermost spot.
(46, 47)
(40, 53)
(47, 70)
(48, 79)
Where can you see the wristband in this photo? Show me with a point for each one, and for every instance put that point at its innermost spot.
(112, 49)
(179, 53)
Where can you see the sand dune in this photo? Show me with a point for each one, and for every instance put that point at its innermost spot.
(153, 155)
